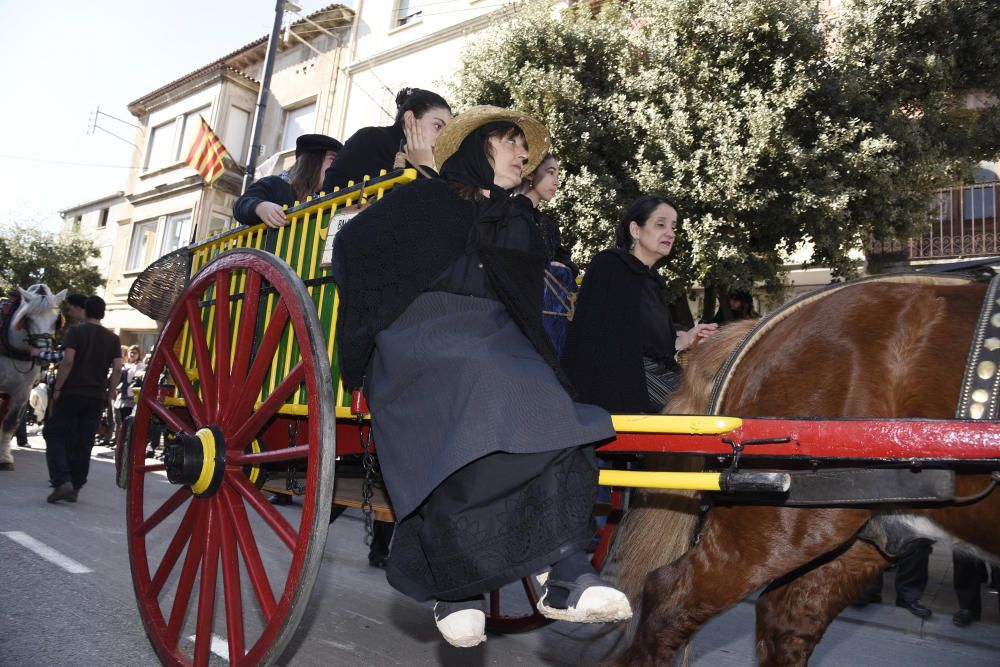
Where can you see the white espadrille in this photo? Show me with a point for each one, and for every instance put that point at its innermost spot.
(463, 628)
(590, 600)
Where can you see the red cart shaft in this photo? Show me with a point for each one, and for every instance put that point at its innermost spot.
(888, 439)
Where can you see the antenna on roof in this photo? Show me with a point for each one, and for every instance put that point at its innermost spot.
(92, 125)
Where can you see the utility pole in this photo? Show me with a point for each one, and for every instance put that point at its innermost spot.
(265, 84)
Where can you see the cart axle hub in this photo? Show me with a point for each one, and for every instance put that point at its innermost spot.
(196, 460)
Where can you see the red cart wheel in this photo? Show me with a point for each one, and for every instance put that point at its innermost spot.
(254, 565)
(511, 612)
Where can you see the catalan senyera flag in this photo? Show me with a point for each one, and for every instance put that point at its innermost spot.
(206, 153)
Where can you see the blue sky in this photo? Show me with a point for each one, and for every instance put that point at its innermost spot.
(61, 59)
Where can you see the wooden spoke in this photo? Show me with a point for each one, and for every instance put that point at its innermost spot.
(251, 556)
(268, 409)
(230, 581)
(250, 389)
(207, 587)
(222, 336)
(185, 583)
(169, 417)
(206, 375)
(245, 336)
(181, 381)
(266, 510)
(296, 453)
(165, 510)
(173, 551)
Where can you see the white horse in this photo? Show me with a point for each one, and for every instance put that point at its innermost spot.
(32, 325)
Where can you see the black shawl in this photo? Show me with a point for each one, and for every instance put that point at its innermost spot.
(393, 250)
(549, 230)
(369, 150)
(603, 353)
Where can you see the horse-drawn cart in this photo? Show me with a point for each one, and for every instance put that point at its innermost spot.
(245, 379)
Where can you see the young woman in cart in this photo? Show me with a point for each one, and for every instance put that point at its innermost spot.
(489, 461)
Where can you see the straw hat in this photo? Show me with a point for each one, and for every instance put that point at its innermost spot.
(462, 125)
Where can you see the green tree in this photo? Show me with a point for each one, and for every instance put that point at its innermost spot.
(29, 255)
(767, 122)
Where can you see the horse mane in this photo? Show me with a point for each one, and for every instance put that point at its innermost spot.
(660, 524)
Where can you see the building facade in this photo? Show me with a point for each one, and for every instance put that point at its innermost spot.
(338, 70)
(335, 71)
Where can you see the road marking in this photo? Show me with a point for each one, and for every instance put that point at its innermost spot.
(47, 552)
(367, 618)
(220, 646)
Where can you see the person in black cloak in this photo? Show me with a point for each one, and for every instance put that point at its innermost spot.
(265, 198)
(420, 117)
(440, 321)
(622, 345)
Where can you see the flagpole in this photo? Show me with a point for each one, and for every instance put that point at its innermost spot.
(265, 83)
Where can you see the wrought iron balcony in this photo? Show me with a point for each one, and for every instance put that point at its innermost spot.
(963, 224)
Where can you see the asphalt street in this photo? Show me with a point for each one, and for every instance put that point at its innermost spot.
(67, 601)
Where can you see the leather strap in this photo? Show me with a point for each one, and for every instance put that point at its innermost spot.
(981, 383)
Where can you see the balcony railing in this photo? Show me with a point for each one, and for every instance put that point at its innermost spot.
(963, 224)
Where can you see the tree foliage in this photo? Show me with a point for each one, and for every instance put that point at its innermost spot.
(29, 255)
(767, 122)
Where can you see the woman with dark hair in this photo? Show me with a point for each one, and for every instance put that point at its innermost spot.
(440, 319)
(420, 117)
(264, 199)
(540, 186)
(622, 345)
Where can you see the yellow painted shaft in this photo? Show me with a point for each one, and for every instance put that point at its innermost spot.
(692, 481)
(683, 424)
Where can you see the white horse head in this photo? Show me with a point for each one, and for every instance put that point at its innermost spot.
(37, 318)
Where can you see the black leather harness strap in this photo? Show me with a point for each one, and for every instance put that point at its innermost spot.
(978, 398)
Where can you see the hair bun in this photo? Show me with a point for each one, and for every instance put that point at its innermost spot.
(402, 96)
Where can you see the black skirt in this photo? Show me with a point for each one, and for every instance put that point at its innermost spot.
(453, 380)
(498, 519)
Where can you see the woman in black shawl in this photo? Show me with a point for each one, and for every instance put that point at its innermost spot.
(622, 344)
(485, 455)
(420, 117)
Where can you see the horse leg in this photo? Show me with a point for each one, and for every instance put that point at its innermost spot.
(8, 425)
(793, 613)
(741, 548)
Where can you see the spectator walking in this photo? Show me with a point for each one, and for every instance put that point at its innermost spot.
(83, 389)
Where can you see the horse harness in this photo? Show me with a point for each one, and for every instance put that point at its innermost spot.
(979, 399)
(9, 306)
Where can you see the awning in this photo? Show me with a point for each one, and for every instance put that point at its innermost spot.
(128, 319)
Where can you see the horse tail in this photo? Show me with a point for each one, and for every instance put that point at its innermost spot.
(660, 525)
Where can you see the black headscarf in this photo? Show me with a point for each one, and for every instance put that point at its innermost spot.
(470, 165)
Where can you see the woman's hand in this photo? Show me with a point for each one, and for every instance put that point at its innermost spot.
(694, 335)
(271, 214)
(418, 150)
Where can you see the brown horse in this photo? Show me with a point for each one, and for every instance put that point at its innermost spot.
(867, 350)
